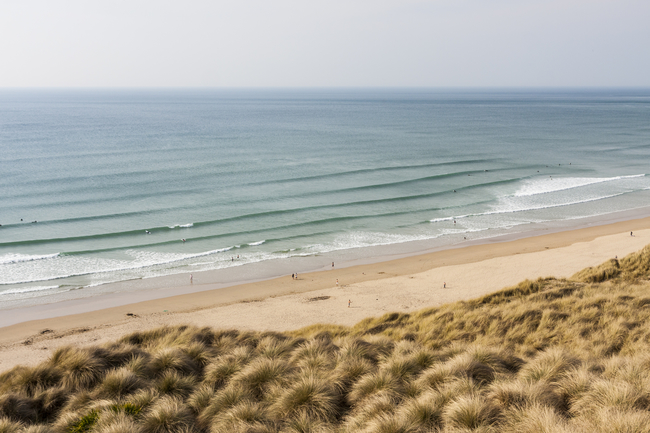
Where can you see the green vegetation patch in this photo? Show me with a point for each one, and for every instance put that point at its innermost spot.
(85, 423)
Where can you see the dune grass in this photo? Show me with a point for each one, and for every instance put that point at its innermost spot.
(552, 355)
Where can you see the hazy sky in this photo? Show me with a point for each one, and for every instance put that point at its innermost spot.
(287, 43)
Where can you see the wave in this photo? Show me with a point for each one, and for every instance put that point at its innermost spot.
(56, 203)
(356, 240)
(254, 244)
(545, 186)
(453, 218)
(27, 290)
(182, 226)
(374, 170)
(143, 259)
(19, 258)
(419, 180)
(529, 208)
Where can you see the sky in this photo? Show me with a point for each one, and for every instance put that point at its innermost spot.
(333, 43)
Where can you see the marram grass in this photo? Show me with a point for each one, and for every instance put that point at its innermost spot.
(551, 355)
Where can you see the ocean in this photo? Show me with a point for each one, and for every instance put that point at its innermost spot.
(106, 186)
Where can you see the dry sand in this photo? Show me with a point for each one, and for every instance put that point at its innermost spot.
(282, 304)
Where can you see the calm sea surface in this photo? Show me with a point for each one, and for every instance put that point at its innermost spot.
(102, 186)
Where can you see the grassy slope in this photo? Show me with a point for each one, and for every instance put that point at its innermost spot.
(549, 355)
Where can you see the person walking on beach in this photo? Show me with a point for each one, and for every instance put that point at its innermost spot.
(191, 279)
(444, 285)
(332, 265)
(349, 302)
(337, 282)
(631, 234)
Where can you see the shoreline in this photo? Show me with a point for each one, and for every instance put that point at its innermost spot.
(127, 292)
(402, 284)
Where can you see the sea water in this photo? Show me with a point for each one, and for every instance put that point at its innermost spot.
(103, 186)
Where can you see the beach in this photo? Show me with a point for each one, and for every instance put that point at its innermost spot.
(342, 296)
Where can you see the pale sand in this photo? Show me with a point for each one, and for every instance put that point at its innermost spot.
(403, 285)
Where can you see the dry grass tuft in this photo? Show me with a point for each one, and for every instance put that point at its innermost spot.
(549, 366)
(200, 399)
(221, 402)
(535, 418)
(245, 416)
(221, 370)
(80, 368)
(304, 424)
(173, 384)
(425, 412)
(9, 426)
(167, 415)
(262, 374)
(173, 360)
(471, 412)
(378, 405)
(115, 421)
(313, 397)
(37, 428)
(381, 382)
(118, 383)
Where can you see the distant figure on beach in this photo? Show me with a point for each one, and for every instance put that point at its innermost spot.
(337, 281)
(631, 234)
(332, 265)
(293, 276)
(444, 285)
(191, 279)
(349, 302)
(296, 275)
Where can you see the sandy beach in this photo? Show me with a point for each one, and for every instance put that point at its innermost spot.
(338, 296)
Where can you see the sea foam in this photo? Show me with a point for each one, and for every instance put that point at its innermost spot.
(550, 184)
(19, 258)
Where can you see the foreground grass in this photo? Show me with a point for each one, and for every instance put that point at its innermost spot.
(544, 356)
